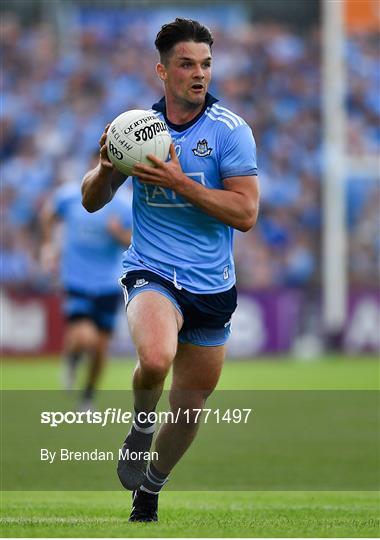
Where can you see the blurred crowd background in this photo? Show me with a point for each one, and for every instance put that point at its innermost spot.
(59, 90)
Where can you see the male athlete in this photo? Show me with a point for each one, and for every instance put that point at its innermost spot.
(179, 278)
(91, 259)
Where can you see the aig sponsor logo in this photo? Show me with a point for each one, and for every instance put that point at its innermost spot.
(167, 198)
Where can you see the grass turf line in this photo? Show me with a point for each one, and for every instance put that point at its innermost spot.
(201, 514)
(328, 373)
(194, 514)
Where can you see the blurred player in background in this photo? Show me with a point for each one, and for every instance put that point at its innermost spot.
(90, 263)
(179, 272)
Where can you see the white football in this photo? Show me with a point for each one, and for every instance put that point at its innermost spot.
(135, 134)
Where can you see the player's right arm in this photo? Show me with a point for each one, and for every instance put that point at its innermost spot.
(100, 184)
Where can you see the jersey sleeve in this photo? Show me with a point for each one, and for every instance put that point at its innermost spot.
(238, 157)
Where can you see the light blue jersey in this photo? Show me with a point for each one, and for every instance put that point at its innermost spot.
(91, 257)
(171, 236)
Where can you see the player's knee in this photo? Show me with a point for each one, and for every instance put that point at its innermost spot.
(155, 372)
(155, 365)
(87, 339)
(81, 339)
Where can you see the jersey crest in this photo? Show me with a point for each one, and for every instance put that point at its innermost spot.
(202, 149)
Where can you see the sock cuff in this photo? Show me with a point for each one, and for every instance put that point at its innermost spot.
(146, 430)
(156, 475)
(154, 480)
(143, 422)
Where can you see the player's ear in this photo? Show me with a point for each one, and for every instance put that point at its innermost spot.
(161, 71)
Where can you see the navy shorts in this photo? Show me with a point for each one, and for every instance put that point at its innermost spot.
(207, 317)
(100, 309)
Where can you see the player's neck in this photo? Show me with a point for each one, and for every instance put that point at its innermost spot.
(179, 113)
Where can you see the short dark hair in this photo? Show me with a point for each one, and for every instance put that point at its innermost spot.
(181, 30)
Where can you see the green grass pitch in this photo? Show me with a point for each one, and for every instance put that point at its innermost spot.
(201, 514)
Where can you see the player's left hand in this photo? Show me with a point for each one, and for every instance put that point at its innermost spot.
(165, 174)
(116, 229)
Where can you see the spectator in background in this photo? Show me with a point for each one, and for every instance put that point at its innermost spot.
(16, 263)
(57, 95)
(91, 263)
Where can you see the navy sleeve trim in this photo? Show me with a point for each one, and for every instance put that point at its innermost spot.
(251, 172)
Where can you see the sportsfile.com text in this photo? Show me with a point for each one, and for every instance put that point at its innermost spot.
(118, 416)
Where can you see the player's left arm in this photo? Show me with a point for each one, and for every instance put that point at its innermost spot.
(119, 232)
(120, 221)
(49, 252)
(236, 205)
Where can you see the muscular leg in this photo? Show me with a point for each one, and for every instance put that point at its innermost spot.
(154, 324)
(80, 338)
(196, 371)
(98, 358)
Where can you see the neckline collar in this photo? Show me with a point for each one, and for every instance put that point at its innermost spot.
(160, 106)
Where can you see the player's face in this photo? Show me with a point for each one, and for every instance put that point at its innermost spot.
(187, 74)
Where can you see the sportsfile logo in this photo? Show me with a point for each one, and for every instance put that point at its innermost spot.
(118, 416)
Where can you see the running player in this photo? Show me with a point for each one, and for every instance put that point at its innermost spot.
(91, 262)
(179, 276)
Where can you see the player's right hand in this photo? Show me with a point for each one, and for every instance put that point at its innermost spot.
(103, 155)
